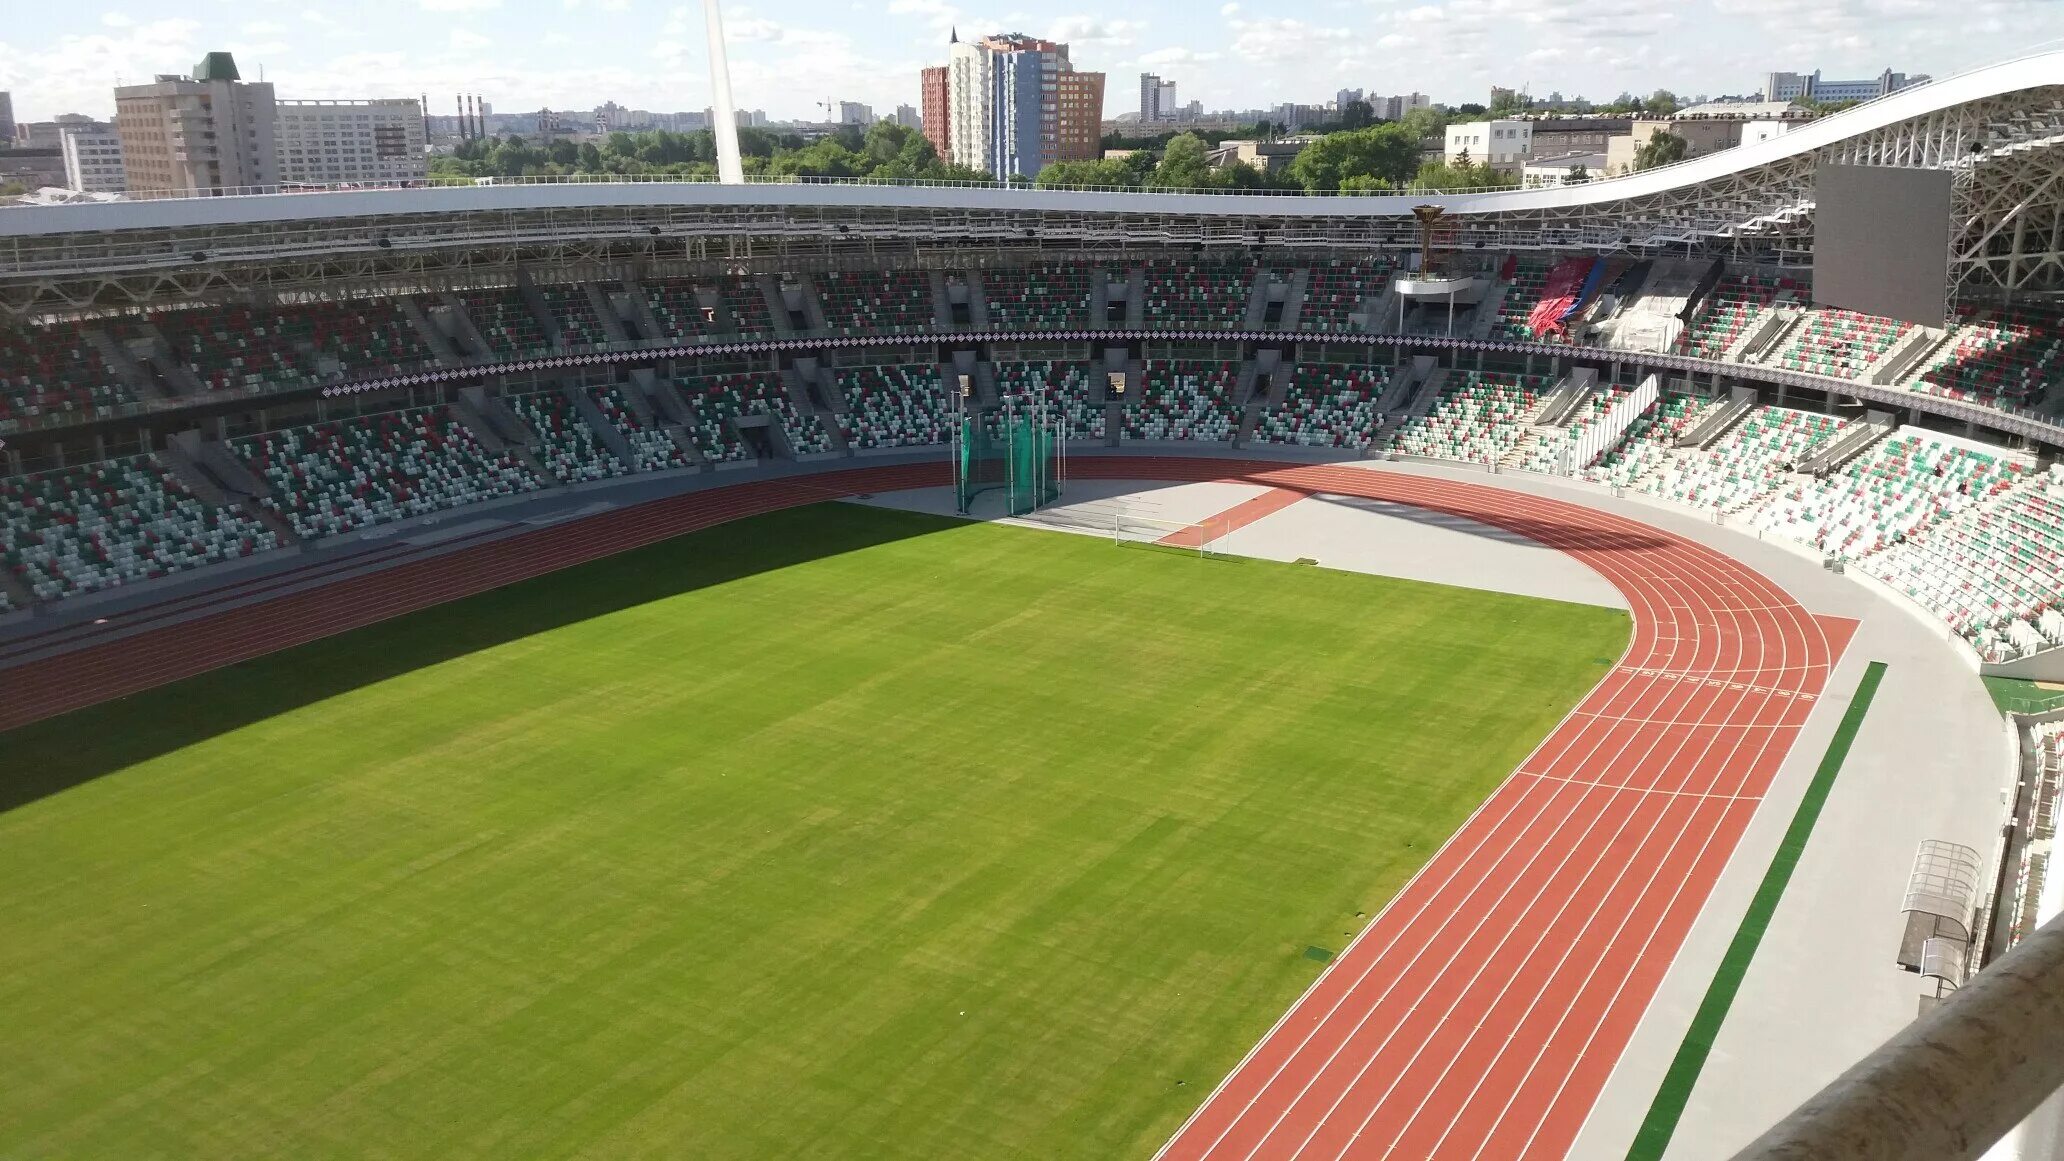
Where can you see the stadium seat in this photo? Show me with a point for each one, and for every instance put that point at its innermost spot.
(1744, 465)
(870, 303)
(506, 322)
(83, 529)
(1841, 343)
(1336, 289)
(1197, 295)
(1051, 296)
(894, 406)
(578, 323)
(678, 311)
(1188, 399)
(1064, 386)
(1881, 498)
(1326, 407)
(568, 448)
(1477, 418)
(2007, 356)
(1649, 440)
(330, 478)
(652, 449)
(50, 371)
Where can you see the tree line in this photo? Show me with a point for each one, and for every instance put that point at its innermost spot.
(882, 150)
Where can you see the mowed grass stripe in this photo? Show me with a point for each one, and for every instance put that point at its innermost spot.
(1660, 1125)
(834, 832)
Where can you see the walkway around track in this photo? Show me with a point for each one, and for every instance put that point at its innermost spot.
(1479, 1014)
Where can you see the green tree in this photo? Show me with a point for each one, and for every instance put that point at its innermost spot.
(1387, 152)
(1462, 174)
(1507, 104)
(1185, 164)
(1424, 122)
(1364, 184)
(1357, 115)
(1661, 103)
(1662, 149)
(1108, 171)
(1578, 174)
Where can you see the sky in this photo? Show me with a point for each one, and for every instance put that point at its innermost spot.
(788, 56)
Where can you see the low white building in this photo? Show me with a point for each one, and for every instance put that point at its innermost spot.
(1563, 169)
(333, 142)
(93, 159)
(1504, 145)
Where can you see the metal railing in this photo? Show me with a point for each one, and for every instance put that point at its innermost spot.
(1952, 1082)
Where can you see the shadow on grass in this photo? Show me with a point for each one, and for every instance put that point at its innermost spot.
(51, 756)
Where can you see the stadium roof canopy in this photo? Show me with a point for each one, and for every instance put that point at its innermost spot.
(1998, 128)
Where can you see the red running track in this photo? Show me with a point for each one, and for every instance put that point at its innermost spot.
(1479, 1014)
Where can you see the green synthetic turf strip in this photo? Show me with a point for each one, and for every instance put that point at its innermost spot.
(832, 833)
(1668, 1107)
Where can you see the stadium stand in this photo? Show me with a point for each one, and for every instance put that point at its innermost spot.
(1196, 296)
(506, 322)
(1477, 419)
(1546, 454)
(652, 449)
(1841, 343)
(1906, 483)
(83, 529)
(1646, 446)
(1994, 573)
(1336, 289)
(330, 478)
(1183, 399)
(1065, 384)
(894, 406)
(747, 308)
(570, 449)
(237, 348)
(1990, 358)
(678, 311)
(1744, 465)
(52, 371)
(578, 323)
(1326, 407)
(1529, 280)
(719, 398)
(1735, 304)
(1054, 296)
(889, 302)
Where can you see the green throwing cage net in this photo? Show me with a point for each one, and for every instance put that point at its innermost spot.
(1014, 452)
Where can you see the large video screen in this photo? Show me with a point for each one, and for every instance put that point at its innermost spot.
(1881, 241)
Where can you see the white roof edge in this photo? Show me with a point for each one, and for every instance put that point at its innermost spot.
(2028, 72)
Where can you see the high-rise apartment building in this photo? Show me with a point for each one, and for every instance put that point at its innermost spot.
(332, 142)
(1004, 104)
(1157, 100)
(93, 158)
(1081, 97)
(906, 116)
(855, 113)
(935, 110)
(6, 119)
(204, 133)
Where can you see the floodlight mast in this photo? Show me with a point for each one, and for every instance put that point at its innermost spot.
(730, 169)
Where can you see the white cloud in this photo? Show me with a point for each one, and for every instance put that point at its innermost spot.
(1280, 40)
(1229, 10)
(1164, 57)
(466, 40)
(1072, 30)
(460, 5)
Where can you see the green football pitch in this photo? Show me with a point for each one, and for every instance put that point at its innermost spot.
(831, 833)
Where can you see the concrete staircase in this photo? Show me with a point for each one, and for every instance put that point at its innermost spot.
(555, 331)
(140, 382)
(606, 308)
(1854, 440)
(1719, 420)
(441, 345)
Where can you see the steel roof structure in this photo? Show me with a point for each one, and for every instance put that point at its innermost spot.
(1997, 128)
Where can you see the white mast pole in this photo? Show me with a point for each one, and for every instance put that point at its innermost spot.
(730, 169)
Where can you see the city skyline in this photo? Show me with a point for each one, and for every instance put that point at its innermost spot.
(563, 54)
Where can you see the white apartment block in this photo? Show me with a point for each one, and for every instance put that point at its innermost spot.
(1505, 145)
(93, 159)
(334, 142)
